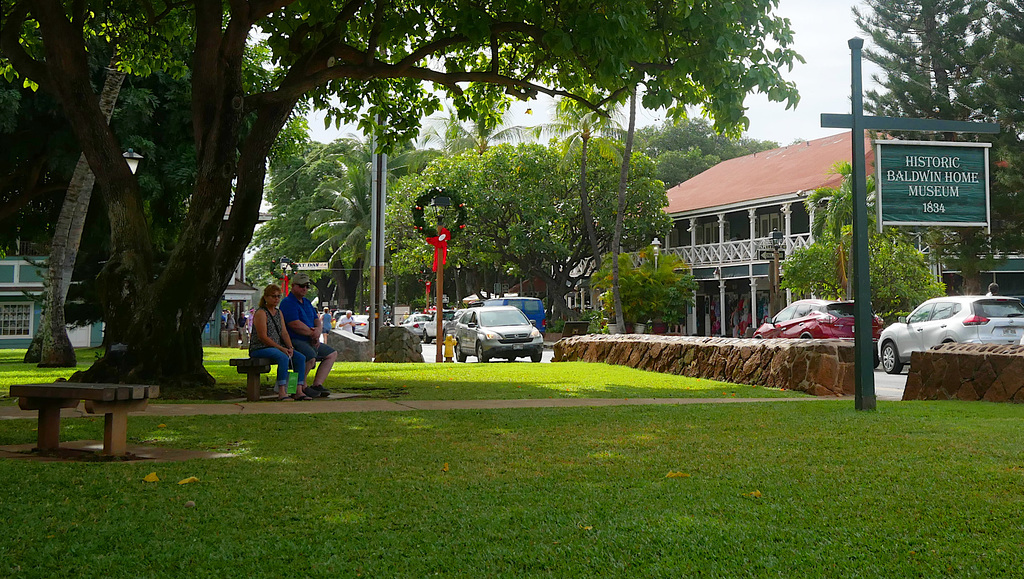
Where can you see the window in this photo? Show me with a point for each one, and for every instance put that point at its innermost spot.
(16, 320)
(921, 314)
(840, 310)
(944, 310)
(1003, 308)
(785, 315)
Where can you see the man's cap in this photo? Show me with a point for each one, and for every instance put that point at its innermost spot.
(300, 278)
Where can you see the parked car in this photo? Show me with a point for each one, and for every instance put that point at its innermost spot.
(532, 307)
(497, 332)
(416, 323)
(968, 319)
(815, 319)
(430, 328)
(362, 327)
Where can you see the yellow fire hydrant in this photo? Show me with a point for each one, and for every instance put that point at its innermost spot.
(449, 348)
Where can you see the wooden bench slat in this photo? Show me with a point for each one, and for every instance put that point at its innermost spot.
(97, 392)
(250, 362)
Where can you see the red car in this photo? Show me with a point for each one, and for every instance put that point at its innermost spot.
(815, 319)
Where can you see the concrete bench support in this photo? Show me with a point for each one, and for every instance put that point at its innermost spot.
(252, 368)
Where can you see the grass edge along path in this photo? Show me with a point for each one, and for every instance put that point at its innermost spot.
(732, 490)
(450, 381)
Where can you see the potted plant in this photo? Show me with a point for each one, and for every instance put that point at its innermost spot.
(648, 293)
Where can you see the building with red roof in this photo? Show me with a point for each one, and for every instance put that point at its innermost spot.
(724, 218)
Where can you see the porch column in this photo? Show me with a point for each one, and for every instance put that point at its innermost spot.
(721, 302)
(810, 236)
(693, 232)
(721, 228)
(787, 216)
(752, 214)
(754, 322)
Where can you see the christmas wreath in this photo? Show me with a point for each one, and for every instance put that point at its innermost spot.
(456, 209)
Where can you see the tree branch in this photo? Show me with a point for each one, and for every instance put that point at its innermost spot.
(10, 43)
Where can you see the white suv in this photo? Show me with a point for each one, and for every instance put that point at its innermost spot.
(968, 319)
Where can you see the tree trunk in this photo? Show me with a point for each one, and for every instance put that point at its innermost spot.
(588, 218)
(621, 211)
(57, 351)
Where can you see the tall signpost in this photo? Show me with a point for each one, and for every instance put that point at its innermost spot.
(378, 201)
(864, 378)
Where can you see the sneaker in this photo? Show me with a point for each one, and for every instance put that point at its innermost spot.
(324, 393)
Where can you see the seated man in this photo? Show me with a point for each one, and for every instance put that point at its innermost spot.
(305, 328)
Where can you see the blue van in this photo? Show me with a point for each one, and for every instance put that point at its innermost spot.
(532, 307)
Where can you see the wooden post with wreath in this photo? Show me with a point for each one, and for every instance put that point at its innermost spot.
(446, 208)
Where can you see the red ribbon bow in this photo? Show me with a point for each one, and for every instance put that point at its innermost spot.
(440, 244)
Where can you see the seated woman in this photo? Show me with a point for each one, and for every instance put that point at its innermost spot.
(269, 340)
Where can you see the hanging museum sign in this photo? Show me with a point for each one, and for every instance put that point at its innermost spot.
(932, 183)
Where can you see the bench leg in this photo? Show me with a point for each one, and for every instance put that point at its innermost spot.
(115, 423)
(48, 427)
(252, 387)
(48, 423)
(115, 432)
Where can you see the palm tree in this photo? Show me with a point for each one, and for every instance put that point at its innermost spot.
(832, 208)
(577, 125)
(56, 349)
(453, 136)
(344, 228)
(620, 213)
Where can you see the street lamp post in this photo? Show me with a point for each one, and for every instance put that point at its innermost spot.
(656, 245)
(777, 241)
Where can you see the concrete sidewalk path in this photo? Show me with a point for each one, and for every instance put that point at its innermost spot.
(352, 403)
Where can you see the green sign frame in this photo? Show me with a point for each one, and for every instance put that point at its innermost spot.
(932, 183)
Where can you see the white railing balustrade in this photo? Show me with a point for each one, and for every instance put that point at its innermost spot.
(742, 251)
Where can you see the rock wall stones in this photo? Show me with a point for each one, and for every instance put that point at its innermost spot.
(818, 367)
(990, 372)
(350, 347)
(395, 344)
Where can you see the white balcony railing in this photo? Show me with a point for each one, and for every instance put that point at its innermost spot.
(742, 251)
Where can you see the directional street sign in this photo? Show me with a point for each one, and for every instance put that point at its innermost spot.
(313, 265)
(769, 254)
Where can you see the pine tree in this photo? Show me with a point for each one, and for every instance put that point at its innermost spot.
(931, 53)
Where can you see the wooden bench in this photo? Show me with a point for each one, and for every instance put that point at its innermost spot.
(575, 329)
(252, 368)
(115, 401)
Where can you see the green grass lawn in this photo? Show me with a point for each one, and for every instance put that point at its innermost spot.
(914, 489)
(429, 381)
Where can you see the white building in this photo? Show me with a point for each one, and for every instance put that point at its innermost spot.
(724, 218)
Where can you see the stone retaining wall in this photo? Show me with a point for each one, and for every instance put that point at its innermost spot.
(818, 367)
(396, 344)
(990, 372)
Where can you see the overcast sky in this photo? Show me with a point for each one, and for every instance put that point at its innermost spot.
(821, 31)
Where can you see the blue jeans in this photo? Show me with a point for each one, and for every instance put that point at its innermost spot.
(282, 362)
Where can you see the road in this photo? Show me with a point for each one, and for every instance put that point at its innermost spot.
(430, 354)
(887, 387)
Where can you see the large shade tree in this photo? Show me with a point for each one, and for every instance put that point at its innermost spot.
(525, 212)
(342, 54)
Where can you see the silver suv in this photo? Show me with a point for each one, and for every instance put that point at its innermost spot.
(968, 319)
(497, 332)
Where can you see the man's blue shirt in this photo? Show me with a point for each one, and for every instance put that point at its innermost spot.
(292, 308)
